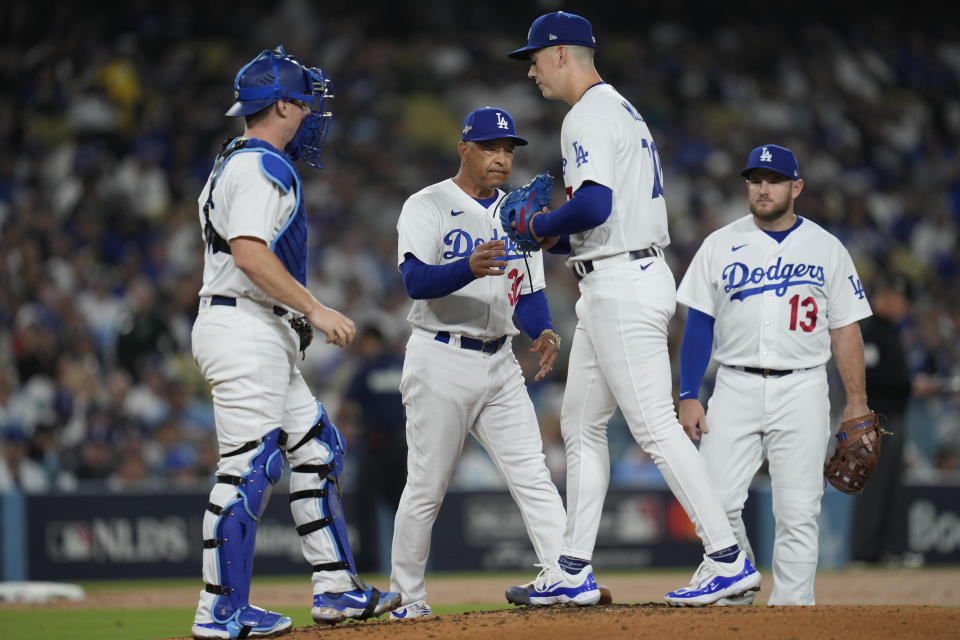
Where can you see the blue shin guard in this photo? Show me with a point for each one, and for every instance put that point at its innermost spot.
(318, 469)
(250, 471)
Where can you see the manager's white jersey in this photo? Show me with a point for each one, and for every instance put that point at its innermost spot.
(774, 303)
(605, 140)
(442, 224)
(258, 208)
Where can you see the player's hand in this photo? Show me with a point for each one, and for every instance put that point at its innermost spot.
(548, 349)
(693, 418)
(854, 410)
(338, 328)
(483, 260)
(545, 243)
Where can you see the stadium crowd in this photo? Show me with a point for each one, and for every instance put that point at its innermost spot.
(110, 119)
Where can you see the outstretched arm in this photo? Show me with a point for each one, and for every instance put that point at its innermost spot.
(427, 281)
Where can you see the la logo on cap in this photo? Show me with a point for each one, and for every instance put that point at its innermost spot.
(502, 122)
(766, 156)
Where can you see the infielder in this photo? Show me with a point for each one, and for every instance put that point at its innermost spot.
(254, 276)
(617, 225)
(460, 376)
(772, 292)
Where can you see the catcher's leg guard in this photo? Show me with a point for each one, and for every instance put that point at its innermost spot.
(316, 465)
(244, 480)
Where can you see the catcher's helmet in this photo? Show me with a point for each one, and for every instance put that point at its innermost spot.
(275, 75)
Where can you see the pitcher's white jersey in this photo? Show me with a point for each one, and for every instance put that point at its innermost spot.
(484, 308)
(605, 140)
(774, 303)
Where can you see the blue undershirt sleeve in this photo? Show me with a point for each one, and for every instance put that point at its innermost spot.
(533, 313)
(589, 208)
(426, 281)
(562, 246)
(695, 352)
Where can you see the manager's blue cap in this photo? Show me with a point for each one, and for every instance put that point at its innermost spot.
(490, 123)
(558, 27)
(775, 158)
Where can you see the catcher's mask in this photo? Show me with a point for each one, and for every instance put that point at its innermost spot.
(275, 75)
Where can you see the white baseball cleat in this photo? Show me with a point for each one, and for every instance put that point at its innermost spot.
(714, 581)
(416, 609)
(556, 586)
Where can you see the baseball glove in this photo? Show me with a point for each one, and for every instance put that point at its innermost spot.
(518, 207)
(858, 450)
(304, 332)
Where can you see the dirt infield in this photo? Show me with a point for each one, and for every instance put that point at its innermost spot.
(868, 604)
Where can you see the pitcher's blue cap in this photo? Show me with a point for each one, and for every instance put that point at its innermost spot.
(490, 123)
(774, 158)
(558, 27)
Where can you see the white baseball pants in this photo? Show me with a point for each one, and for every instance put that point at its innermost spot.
(450, 393)
(786, 421)
(619, 358)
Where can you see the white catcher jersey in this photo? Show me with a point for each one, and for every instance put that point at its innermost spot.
(442, 224)
(605, 140)
(258, 209)
(774, 303)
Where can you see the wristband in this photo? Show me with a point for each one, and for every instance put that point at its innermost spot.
(553, 334)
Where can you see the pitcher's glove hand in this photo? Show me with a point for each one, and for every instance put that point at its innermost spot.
(304, 331)
(858, 450)
(518, 207)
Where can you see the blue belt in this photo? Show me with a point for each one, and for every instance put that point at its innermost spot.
(485, 346)
(232, 302)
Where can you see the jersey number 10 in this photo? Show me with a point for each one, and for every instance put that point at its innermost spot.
(809, 307)
(657, 169)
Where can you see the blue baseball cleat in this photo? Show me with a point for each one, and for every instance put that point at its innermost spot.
(357, 604)
(714, 581)
(556, 586)
(248, 622)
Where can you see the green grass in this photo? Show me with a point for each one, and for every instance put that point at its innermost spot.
(147, 624)
(135, 624)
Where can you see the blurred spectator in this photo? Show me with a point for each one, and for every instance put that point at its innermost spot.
(878, 512)
(373, 409)
(17, 470)
(109, 119)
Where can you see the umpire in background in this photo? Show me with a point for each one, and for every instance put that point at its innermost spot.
(878, 511)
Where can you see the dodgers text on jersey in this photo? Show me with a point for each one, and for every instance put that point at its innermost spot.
(461, 244)
(778, 277)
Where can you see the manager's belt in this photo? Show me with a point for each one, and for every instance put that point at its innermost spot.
(768, 373)
(485, 346)
(232, 302)
(583, 267)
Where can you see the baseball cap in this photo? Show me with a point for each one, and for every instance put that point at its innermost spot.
(554, 28)
(490, 123)
(774, 158)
